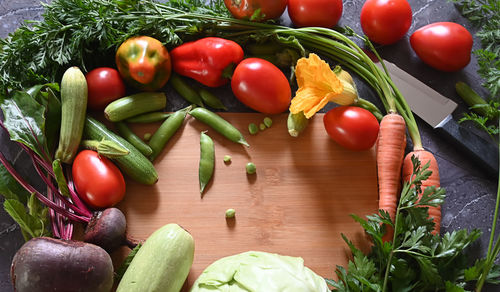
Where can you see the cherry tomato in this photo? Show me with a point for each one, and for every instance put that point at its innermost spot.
(444, 46)
(385, 21)
(97, 180)
(261, 86)
(323, 13)
(104, 85)
(245, 9)
(352, 127)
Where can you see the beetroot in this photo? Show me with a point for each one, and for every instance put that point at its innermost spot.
(49, 264)
(106, 229)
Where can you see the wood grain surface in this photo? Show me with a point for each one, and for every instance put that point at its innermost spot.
(297, 204)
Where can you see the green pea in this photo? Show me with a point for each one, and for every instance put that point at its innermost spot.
(252, 128)
(251, 168)
(227, 158)
(217, 123)
(184, 90)
(147, 136)
(207, 160)
(230, 213)
(166, 130)
(210, 99)
(262, 127)
(268, 122)
(131, 137)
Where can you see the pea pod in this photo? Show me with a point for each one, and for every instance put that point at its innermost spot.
(133, 139)
(207, 160)
(210, 99)
(184, 90)
(218, 124)
(167, 129)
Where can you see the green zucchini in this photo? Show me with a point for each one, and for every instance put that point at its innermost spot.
(73, 110)
(135, 104)
(162, 263)
(134, 164)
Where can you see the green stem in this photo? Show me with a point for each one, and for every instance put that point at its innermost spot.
(492, 251)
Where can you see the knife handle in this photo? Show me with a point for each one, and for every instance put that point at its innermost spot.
(484, 152)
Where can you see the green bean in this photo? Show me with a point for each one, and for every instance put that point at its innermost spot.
(133, 139)
(219, 124)
(207, 160)
(166, 130)
(149, 117)
(184, 90)
(210, 99)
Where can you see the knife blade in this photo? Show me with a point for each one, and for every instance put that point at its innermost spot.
(436, 110)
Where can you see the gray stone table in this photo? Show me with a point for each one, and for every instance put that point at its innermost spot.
(470, 192)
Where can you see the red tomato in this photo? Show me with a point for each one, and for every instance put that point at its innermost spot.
(245, 9)
(352, 127)
(104, 85)
(97, 180)
(323, 13)
(385, 21)
(444, 46)
(261, 86)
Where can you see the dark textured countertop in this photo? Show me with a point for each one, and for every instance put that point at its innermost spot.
(470, 192)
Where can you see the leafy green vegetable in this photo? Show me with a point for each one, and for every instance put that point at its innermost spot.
(74, 32)
(259, 271)
(415, 260)
(10, 188)
(33, 222)
(24, 119)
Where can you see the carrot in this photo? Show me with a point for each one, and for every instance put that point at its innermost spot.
(433, 180)
(390, 152)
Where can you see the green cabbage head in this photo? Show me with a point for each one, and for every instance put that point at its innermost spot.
(259, 272)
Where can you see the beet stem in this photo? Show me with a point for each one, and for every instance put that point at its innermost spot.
(55, 190)
(74, 195)
(41, 197)
(52, 214)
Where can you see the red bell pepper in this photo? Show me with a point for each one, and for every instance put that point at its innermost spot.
(207, 60)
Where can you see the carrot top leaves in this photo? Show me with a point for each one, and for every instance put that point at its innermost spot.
(415, 260)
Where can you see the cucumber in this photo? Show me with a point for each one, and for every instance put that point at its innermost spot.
(134, 164)
(135, 104)
(162, 263)
(73, 110)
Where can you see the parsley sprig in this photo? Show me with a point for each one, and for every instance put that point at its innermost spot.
(415, 259)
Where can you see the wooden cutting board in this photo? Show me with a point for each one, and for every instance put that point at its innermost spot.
(297, 204)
